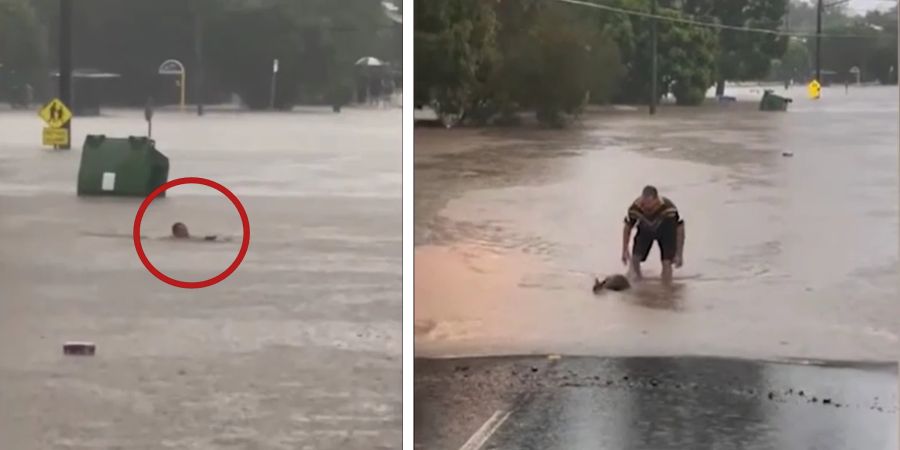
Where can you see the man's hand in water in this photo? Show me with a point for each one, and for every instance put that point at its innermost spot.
(678, 261)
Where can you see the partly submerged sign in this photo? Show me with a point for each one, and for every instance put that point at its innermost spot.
(814, 89)
(55, 113)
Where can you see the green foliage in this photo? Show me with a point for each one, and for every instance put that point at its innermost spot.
(796, 62)
(316, 42)
(686, 61)
(743, 55)
(22, 54)
(550, 67)
(867, 42)
(801, 16)
(454, 52)
(481, 60)
(874, 52)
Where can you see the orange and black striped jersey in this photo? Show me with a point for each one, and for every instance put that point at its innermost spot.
(651, 220)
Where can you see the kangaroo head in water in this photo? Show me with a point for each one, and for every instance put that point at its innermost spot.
(616, 282)
(180, 230)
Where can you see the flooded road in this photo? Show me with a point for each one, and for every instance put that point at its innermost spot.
(299, 348)
(791, 222)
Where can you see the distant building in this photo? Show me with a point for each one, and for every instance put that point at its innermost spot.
(88, 88)
(828, 77)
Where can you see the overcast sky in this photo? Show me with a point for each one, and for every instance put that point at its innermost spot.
(865, 5)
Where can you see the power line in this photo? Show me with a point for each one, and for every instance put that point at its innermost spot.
(689, 21)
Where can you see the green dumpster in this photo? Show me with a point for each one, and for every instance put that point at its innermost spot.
(121, 166)
(772, 102)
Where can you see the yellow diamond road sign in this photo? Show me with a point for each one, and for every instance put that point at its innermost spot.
(55, 113)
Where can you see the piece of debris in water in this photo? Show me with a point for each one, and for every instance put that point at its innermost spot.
(616, 282)
(79, 348)
(787, 154)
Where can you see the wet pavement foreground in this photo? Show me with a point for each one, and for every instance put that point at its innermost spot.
(579, 403)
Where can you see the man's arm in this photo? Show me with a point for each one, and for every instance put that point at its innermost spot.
(679, 238)
(630, 222)
(626, 238)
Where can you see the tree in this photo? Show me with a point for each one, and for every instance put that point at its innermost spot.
(557, 72)
(316, 41)
(686, 61)
(801, 16)
(796, 63)
(455, 48)
(553, 57)
(742, 55)
(22, 55)
(882, 64)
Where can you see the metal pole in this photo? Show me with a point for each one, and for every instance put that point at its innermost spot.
(183, 79)
(273, 85)
(65, 63)
(198, 54)
(653, 64)
(819, 42)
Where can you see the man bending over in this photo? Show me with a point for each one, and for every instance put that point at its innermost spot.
(657, 220)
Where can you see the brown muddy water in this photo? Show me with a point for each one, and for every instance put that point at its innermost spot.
(791, 223)
(299, 349)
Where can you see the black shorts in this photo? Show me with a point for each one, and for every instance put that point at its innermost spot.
(666, 236)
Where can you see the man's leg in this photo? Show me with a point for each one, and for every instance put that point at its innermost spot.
(634, 268)
(640, 248)
(667, 272)
(668, 246)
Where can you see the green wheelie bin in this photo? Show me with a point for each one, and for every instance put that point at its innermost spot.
(130, 167)
(772, 102)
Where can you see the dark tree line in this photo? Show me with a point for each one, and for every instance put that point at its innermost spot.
(867, 42)
(487, 61)
(484, 61)
(316, 42)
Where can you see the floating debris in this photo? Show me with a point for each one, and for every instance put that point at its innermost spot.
(76, 348)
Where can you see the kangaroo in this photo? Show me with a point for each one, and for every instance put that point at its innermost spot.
(615, 282)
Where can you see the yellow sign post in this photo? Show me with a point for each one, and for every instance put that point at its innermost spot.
(55, 113)
(814, 89)
(55, 136)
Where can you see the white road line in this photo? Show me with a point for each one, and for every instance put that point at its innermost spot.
(486, 431)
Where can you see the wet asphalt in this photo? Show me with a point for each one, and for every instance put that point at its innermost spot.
(659, 403)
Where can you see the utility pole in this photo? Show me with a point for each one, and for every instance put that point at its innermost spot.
(272, 86)
(65, 63)
(198, 55)
(819, 8)
(653, 68)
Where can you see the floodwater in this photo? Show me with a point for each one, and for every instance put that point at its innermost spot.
(299, 348)
(791, 220)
